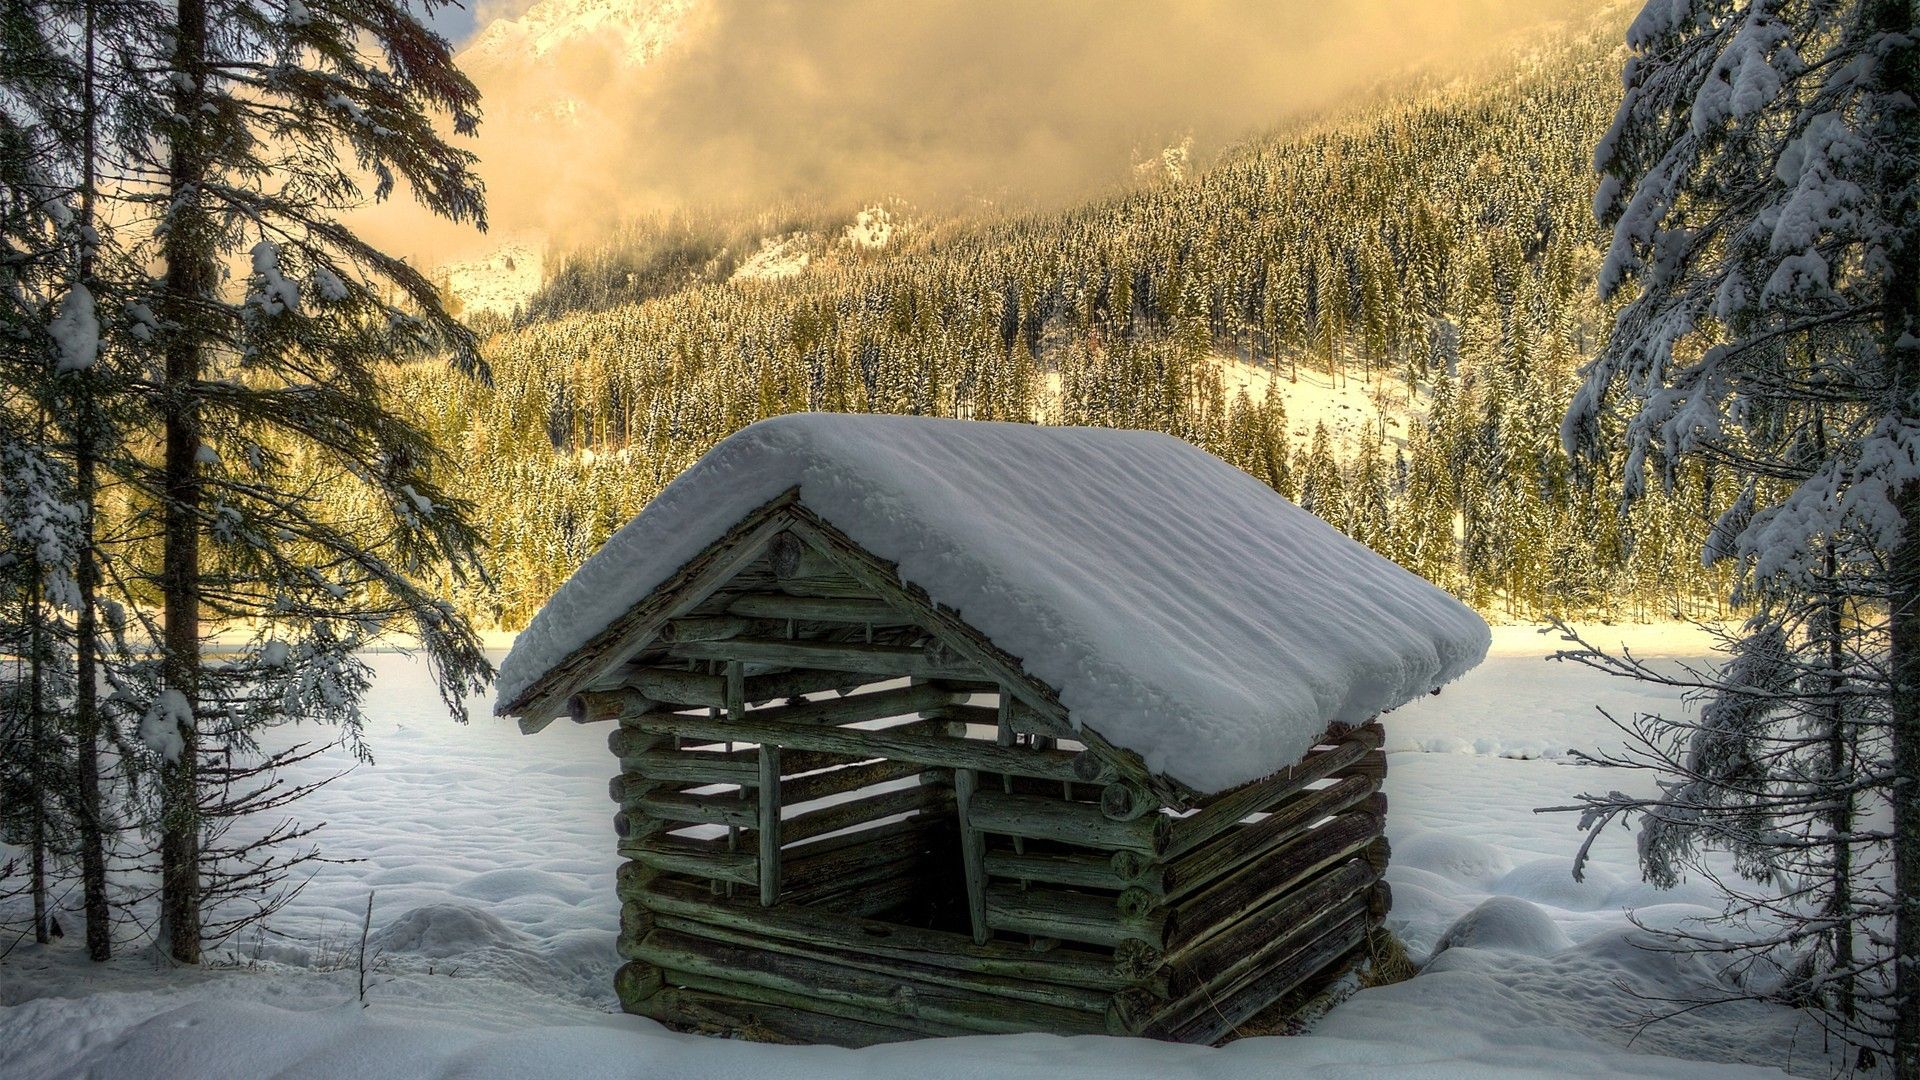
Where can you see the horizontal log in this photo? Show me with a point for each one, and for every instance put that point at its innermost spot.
(1214, 908)
(1244, 843)
(634, 824)
(816, 609)
(1379, 902)
(841, 858)
(1249, 939)
(1287, 948)
(1066, 966)
(626, 742)
(1225, 811)
(675, 688)
(1122, 801)
(897, 661)
(896, 743)
(793, 762)
(911, 867)
(698, 858)
(1221, 1016)
(840, 984)
(1093, 1002)
(728, 808)
(635, 982)
(1070, 916)
(600, 706)
(690, 767)
(636, 922)
(845, 815)
(679, 689)
(829, 586)
(631, 877)
(1372, 765)
(722, 1014)
(760, 995)
(858, 708)
(709, 628)
(1057, 868)
(820, 785)
(1038, 818)
(790, 556)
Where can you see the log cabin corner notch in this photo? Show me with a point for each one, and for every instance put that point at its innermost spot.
(851, 814)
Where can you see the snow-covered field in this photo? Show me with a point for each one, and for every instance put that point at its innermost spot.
(490, 860)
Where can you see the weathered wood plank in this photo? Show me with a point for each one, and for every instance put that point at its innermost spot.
(896, 743)
(973, 854)
(1125, 801)
(1247, 941)
(1213, 909)
(1225, 811)
(1244, 843)
(767, 803)
(910, 867)
(817, 609)
(678, 806)
(895, 661)
(709, 628)
(820, 785)
(761, 995)
(794, 762)
(1078, 999)
(839, 984)
(674, 688)
(1221, 1015)
(691, 767)
(698, 858)
(1039, 818)
(1057, 868)
(1067, 966)
(635, 982)
(845, 815)
(704, 1011)
(1071, 916)
(810, 866)
(1372, 765)
(855, 709)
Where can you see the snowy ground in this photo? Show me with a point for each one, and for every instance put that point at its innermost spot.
(489, 857)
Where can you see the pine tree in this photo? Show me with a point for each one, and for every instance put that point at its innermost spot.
(49, 127)
(1760, 178)
(289, 490)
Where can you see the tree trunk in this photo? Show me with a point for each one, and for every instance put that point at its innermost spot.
(86, 706)
(1898, 90)
(36, 769)
(1840, 743)
(190, 281)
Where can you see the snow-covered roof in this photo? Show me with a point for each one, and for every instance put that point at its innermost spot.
(1177, 606)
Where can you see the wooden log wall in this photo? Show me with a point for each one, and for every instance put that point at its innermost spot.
(904, 858)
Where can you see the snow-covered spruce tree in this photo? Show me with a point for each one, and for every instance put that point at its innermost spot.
(1760, 180)
(290, 496)
(38, 531)
(44, 337)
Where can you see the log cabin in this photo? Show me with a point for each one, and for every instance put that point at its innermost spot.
(931, 727)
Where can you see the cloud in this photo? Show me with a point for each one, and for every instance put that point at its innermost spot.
(936, 101)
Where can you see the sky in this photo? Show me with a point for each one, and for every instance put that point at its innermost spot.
(455, 21)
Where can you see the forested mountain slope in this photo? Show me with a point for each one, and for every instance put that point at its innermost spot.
(1434, 249)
